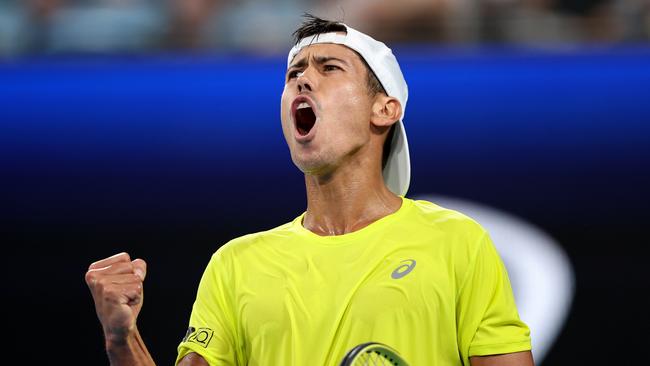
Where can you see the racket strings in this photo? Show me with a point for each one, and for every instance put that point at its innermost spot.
(374, 358)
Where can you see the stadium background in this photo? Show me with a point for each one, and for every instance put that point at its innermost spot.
(154, 128)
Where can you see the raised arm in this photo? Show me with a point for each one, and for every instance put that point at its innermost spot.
(116, 287)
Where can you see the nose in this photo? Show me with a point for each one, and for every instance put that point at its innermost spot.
(304, 84)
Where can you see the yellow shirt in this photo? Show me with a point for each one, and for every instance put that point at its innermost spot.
(425, 280)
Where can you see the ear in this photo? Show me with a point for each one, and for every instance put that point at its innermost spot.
(385, 111)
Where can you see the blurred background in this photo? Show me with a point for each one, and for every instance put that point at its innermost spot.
(145, 26)
(153, 127)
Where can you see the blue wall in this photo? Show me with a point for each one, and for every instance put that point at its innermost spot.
(155, 154)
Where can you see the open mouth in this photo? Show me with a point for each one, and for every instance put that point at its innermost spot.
(305, 118)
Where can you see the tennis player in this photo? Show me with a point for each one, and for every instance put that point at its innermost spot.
(363, 263)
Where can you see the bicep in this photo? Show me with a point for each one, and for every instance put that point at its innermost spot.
(193, 359)
(509, 359)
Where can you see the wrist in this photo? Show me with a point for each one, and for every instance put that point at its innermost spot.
(127, 348)
(119, 338)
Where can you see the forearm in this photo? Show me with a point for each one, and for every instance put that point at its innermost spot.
(128, 351)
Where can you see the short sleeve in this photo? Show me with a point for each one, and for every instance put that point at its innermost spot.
(487, 318)
(212, 331)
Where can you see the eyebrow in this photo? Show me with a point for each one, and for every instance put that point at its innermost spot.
(318, 59)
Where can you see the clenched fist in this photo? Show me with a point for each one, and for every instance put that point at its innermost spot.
(116, 286)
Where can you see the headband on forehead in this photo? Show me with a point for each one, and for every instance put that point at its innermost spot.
(318, 38)
(382, 62)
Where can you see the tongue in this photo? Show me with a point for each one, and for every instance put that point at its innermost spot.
(302, 131)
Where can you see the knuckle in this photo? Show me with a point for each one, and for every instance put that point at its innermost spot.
(122, 256)
(90, 278)
(124, 267)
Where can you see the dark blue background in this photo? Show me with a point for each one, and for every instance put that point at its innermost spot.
(168, 157)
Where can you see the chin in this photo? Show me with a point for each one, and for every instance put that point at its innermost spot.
(307, 167)
(313, 166)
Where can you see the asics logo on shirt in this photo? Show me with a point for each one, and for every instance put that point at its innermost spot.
(404, 269)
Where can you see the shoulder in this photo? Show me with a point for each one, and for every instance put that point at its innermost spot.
(446, 232)
(449, 221)
(462, 241)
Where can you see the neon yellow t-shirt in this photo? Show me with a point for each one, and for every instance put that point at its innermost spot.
(425, 280)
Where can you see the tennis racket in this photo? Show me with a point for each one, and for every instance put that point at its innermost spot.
(372, 353)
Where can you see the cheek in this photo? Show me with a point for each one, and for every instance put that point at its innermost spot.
(285, 110)
(353, 111)
(284, 106)
(353, 97)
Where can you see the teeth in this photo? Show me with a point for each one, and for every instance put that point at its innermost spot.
(303, 105)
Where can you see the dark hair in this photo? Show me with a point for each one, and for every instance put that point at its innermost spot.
(313, 25)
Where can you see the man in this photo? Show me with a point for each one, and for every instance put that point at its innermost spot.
(363, 263)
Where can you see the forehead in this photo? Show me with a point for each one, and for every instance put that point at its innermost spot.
(328, 50)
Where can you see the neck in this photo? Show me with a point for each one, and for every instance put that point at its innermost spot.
(347, 200)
